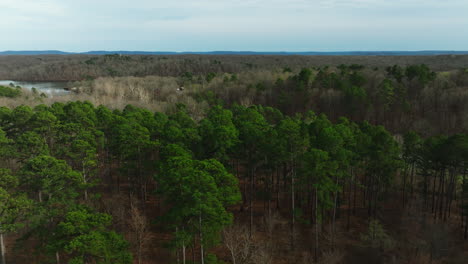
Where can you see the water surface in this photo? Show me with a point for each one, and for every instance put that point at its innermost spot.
(49, 88)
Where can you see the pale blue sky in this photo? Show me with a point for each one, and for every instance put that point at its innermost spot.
(256, 25)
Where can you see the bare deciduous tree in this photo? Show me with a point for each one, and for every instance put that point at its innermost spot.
(237, 240)
(262, 254)
(140, 230)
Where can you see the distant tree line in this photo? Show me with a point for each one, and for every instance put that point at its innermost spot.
(83, 67)
(401, 98)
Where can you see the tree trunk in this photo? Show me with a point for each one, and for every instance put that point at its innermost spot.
(243, 189)
(251, 201)
(354, 198)
(433, 192)
(119, 162)
(140, 246)
(405, 174)
(441, 195)
(177, 256)
(233, 257)
(365, 190)
(351, 182)
(2, 248)
(466, 228)
(292, 207)
(270, 191)
(277, 188)
(183, 252)
(141, 177)
(316, 227)
(376, 197)
(411, 184)
(109, 169)
(349, 202)
(369, 196)
(334, 217)
(463, 196)
(426, 189)
(202, 253)
(450, 190)
(193, 252)
(57, 257)
(85, 182)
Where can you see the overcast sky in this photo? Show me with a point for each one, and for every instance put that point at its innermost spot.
(256, 25)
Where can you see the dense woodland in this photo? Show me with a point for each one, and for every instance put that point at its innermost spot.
(401, 97)
(69, 169)
(82, 67)
(300, 164)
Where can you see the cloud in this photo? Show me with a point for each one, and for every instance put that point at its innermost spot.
(399, 4)
(218, 24)
(33, 7)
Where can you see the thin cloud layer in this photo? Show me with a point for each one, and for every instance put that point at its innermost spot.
(188, 25)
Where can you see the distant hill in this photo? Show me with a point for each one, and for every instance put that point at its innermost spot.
(315, 53)
(34, 52)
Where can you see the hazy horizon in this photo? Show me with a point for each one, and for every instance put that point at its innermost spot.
(221, 50)
(287, 52)
(226, 25)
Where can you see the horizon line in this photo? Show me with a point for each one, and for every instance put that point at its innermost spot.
(223, 50)
(234, 52)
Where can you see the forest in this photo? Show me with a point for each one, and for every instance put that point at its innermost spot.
(82, 67)
(346, 163)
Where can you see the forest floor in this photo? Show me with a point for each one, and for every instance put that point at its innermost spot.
(415, 235)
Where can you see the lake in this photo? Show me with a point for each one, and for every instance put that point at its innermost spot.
(49, 88)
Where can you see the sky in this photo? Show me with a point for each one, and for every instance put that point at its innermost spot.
(236, 25)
